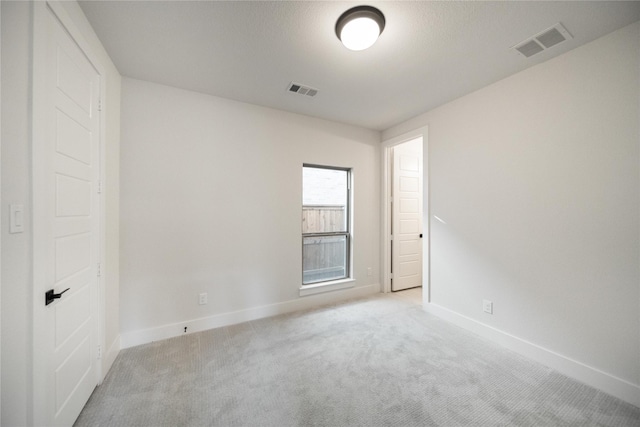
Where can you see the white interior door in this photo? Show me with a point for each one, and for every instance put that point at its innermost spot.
(406, 214)
(69, 216)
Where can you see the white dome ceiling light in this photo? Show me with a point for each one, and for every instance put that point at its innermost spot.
(359, 27)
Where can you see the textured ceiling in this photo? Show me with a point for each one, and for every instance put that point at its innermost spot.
(429, 53)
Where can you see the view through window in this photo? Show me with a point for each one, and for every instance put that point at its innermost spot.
(325, 224)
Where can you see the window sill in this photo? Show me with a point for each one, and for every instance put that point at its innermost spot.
(326, 287)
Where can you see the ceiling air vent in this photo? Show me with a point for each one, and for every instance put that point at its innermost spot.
(543, 40)
(302, 90)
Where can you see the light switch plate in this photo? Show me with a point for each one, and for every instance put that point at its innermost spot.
(16, 219)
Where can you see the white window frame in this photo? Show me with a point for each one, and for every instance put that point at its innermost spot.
(342, 282)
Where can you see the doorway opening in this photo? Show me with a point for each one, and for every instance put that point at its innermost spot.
(406, 232)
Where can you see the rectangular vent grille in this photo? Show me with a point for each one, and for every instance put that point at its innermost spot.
(302, 90)
(551, 38)
(543, 40)
(530, 48)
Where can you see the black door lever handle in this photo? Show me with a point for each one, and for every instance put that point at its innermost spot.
(49, 296)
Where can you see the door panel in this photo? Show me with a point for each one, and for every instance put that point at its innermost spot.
(70, 373)
(409, 226)
(408, 184)
(409, 269)
(406, 258)
(71, 312)
(409, 205)
(73, 139)
(71, 78)
(73, 196)
(409, 163)
(408, 247)
(70, 252)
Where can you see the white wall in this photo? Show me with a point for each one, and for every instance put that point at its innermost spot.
(212, 203)
(537, 179)
(16, 293)
(17, 298)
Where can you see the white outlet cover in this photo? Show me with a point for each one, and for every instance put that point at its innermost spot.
(202, 299)
(487, 306)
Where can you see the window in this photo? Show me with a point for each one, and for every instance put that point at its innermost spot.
(326, 236)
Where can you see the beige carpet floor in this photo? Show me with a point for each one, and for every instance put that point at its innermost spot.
(376, 361)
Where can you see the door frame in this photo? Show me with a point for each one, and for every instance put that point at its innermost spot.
(387, 147)
(38, 396)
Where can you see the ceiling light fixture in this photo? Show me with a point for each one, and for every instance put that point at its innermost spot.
(359, 27)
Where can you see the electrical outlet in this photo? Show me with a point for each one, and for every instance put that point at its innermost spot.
(202, 298)
(369, 271)
(487, 306)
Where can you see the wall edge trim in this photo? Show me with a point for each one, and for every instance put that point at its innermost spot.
(574, 369)
(145, 336)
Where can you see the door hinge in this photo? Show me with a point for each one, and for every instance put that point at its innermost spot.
(99, 352)
(391, 276)
(99, 269)
(99, 187)
(391, 237)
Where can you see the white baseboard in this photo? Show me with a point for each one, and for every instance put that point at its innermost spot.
(131, 339)
(110, 356)
(608, 383)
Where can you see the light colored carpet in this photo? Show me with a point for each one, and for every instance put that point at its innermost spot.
(377, 361)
